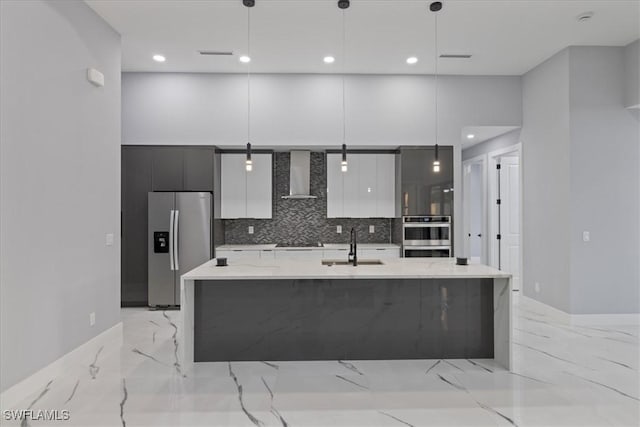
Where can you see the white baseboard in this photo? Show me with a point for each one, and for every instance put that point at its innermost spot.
(111, 338)
(631, 319)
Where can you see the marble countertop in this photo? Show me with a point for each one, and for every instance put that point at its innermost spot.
(328, 246)
(406, 268)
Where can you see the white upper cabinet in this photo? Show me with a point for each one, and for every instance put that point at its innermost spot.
(335, 187)
(366, 190)
(246, 194)
(386, 185)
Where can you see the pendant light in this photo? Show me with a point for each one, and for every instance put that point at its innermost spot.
(344, 5)
(435, 7)
(248, 4)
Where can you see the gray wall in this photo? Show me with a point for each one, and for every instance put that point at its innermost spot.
(604, 182)
(581, 173)
(300, 222)
(306, 110)
(545, 167)
(632, 74)
(502, 141)
(60, 182)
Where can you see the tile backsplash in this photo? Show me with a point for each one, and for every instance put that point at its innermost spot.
(303, 221)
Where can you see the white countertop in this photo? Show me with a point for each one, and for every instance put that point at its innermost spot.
(405, 268)
(328, 246)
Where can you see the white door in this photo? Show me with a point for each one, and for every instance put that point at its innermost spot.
(510, 217)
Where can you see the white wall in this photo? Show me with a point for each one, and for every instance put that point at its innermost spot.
(581, 173)
(632, 74)
(60, 182)
(306, 110)
(505, 140)
(545, 168)
(605, 183)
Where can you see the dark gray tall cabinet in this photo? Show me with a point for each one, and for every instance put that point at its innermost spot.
(153, 168)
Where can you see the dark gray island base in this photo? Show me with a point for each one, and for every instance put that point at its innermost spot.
(330, 319)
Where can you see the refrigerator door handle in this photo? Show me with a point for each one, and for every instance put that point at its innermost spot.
(175, 240)
(171, 239)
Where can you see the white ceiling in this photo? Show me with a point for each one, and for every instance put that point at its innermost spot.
(482, 134)
(292, 36)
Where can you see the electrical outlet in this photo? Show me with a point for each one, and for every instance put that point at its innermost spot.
(339, 229)
(537, 287)
(92, 319)
(372, 229)
(586, 236)
(108, 239)
(251, 229)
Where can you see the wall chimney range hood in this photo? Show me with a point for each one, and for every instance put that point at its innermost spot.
(299, 175)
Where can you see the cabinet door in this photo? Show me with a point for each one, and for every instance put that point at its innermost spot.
(385, 185)
(233, 192)
(335, 187)
(299, 254)
(259, 187)
(235, 256)
(136, 184)
(168, 168)
(351, 194)
(267, 254)
(335, 254)
(379, 253)
(198, 169)
(367, 186)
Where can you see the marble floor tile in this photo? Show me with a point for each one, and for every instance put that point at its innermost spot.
(563, 376)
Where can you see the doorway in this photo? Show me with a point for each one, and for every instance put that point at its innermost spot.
(475, 208)
(505, 211)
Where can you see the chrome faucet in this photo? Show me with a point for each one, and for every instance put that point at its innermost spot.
(353, 248)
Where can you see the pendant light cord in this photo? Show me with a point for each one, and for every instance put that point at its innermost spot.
(344, 60)
(436, 78)
(249, 74)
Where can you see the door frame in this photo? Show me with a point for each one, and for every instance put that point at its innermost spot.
(466, 209)
(515, 150)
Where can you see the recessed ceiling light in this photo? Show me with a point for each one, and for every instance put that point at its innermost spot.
(470, 136)
(245, 59)
(329, 59)
(412, 60)
(159, 58)
(584, 16)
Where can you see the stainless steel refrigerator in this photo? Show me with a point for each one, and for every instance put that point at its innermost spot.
(179, 241)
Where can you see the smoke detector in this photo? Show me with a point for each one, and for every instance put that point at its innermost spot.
(584, 17)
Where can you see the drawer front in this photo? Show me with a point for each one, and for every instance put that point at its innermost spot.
(379, 253)
(237, 254)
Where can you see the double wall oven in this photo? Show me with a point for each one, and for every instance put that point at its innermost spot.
(426, 236)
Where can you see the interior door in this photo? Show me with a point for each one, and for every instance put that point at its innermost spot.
(510, 217)
(193, 230)
(161, 276)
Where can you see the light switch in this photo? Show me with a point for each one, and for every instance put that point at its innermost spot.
(251, 229)
(586, 236)
(108, 239)
(372, 229)
(339, 229)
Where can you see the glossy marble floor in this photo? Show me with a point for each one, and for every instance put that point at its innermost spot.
(564, 376)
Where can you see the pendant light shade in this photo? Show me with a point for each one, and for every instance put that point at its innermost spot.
(436, 161)
(249, 162)
(343, 164)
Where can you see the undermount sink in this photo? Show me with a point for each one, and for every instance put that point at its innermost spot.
(330, 262)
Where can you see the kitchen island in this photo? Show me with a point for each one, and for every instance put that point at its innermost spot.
(285, 309)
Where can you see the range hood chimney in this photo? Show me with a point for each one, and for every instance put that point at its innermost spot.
(299, 175)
